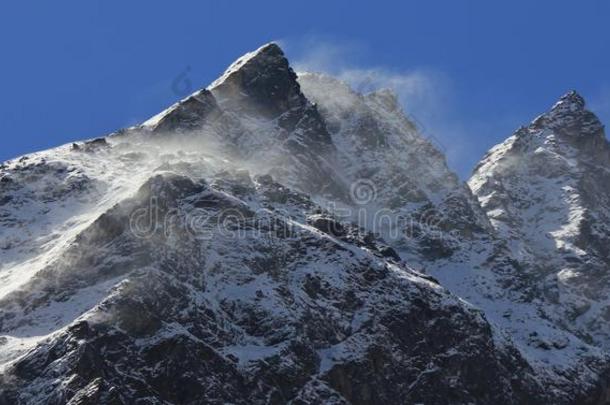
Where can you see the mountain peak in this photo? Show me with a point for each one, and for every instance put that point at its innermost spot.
(268, 53)
(270, 48)
(571, 101)
(570, 118)
(260, 81)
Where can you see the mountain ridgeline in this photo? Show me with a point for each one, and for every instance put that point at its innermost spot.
(279, 238)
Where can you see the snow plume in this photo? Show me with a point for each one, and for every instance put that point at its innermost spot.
(421, 91)
(426, 95)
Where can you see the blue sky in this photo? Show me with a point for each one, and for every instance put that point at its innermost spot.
(470, 71)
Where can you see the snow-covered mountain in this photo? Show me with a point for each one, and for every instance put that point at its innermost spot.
(281, 238)
(546, 193)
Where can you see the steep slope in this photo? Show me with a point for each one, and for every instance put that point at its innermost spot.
(48, 198)
(546, 192)
(191, 281)
(396, 175)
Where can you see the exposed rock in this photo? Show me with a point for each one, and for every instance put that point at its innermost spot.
(326, 225)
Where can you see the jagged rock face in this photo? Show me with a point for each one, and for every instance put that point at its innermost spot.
(261, 82)
(263, 85)
(283, 312)
(545, 190)
(193, 113)
(219, 271)
(398, 172)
